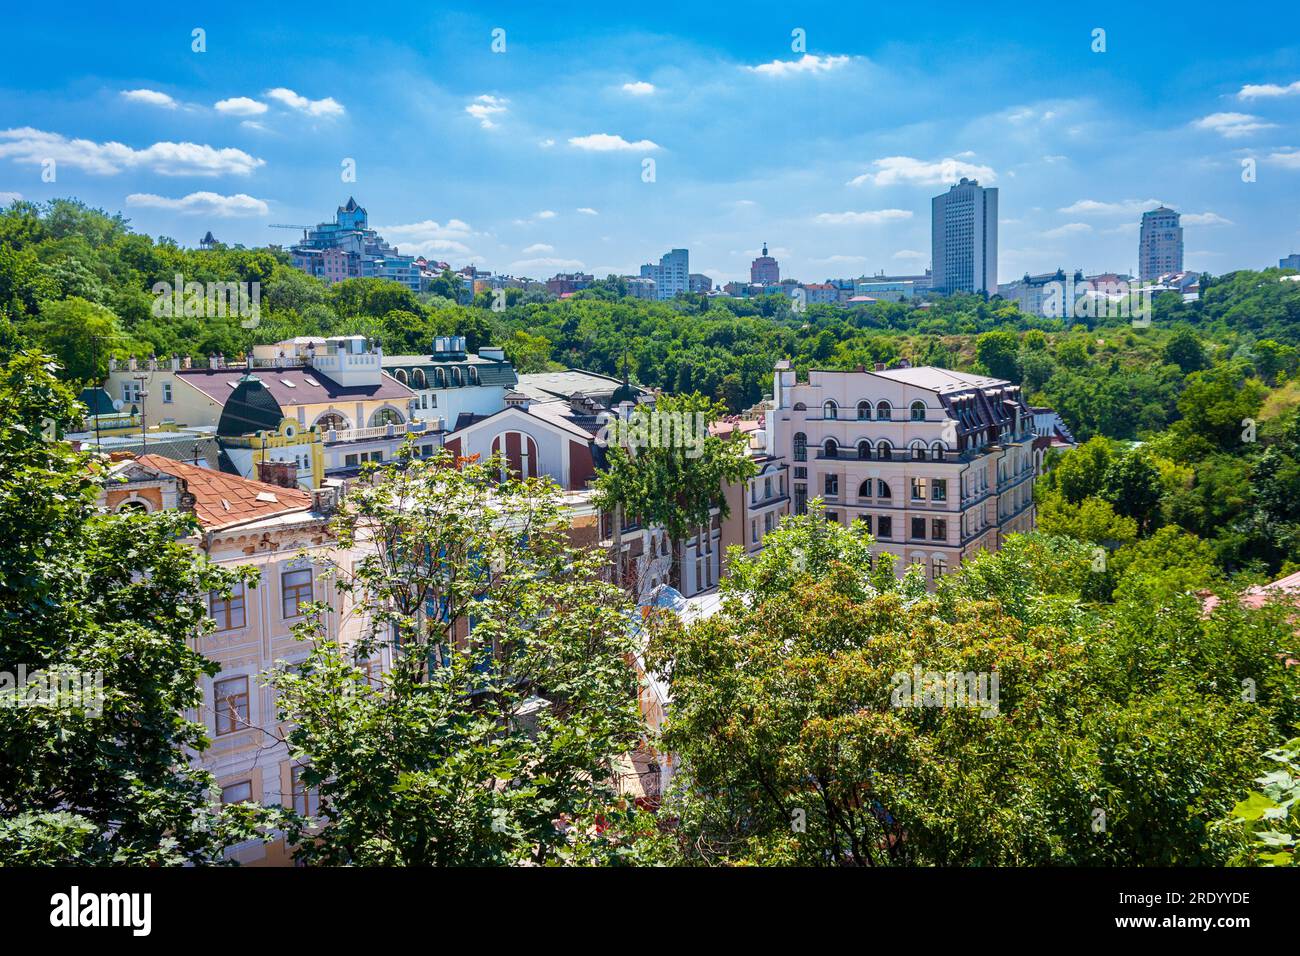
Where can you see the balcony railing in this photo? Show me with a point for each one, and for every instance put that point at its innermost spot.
(392, 430)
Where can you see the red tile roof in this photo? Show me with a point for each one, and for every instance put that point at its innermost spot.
(221, 499)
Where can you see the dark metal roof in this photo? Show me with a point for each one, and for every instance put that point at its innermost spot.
(250, 408)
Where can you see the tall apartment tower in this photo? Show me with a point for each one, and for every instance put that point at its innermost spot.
(1160, 246)
(671, 275)
(964, 238)
(764, 270)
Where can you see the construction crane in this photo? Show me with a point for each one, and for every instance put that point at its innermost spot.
(280, 225)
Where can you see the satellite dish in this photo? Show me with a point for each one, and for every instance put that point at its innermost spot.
(117, 404)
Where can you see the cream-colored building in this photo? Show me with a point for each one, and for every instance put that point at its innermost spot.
(938, 464)
(244, 523)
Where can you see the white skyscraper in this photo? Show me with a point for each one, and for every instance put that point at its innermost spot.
(1160, 245)
(964, 238)
(671, 275)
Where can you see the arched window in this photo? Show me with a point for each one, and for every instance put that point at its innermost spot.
(864, 450)
(918, 411)
(440, 377)
(882, 489)
(473, 375)
(133, 506)
(520, 453)
(937, 451)
(386, 416)
(864, 411)
(332, 421)
(831, 447)
(918, 451)
(864, 489)
(455, 376)
(830, 410)
(400, 375)
(800, 446)
(800, 407)
(884, 450)
(884, 411)
(417, 379)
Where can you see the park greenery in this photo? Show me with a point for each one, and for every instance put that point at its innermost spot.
(1139, 722)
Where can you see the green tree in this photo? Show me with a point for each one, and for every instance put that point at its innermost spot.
(121, 596)
(492, 738)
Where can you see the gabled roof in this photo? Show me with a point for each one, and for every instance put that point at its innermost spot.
(221, 500)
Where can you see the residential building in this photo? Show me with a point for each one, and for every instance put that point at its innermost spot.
(964, 238)
(324, 405)
(1290, 262)
(451, 382)
(564, 282)
(938, 464)
(1049, 294)
(885, 290)
(348, 248)
(699, 282)
(639, 287)
(1160, 244)
(275, 530)
(764, 270)
(671, 275)
(757, 505)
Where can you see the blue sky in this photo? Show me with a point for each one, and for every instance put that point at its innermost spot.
(530, 161)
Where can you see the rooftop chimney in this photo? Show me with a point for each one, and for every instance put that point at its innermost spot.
(281, 473)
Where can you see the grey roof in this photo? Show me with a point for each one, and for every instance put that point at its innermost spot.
(489, 371)
(544, 386)
(250, 408)
(940, 379)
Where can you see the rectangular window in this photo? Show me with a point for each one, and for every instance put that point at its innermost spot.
(885, 526)
(866, 523)
(237, 792)
(295, 590)
(939, 529)
(228, 612)
(937, 569)
(919, 489)
(350, 461)
(306, 800)
(833, 516)
(832, 486)
(230, 700)
(939, 489)
(753, 534)
(167, 392)
(918, 529)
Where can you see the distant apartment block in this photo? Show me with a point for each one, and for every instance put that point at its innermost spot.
(1290, 262)
(939, 465)
(1050, 294)
(348, 249)
(699, 282)
(639, 287)
(1160, 244)
(764, 270)
(671, 276)
(964, 238)
(566, 282)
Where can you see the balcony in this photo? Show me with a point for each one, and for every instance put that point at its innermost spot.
(418, 427)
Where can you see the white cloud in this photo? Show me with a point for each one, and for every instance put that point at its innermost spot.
(609, 142)
(427, 229)
(639, 88)
(206, 203)
(547, 143)
(1097, 207)
(1205, 219)
(1259, 90)
(870, 217)
(544, 214)
(1287, 159)
(808, 63)
(150, 97)
(27, 145)
(587, 211)
(240, 106)
(1069, 229)
(893, 170)
(485, 107)
(326, 107)
(538, 247)
(910, 254)
(1232, 125)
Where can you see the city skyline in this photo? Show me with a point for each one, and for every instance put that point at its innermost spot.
(531, 161)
